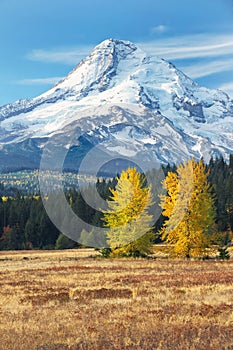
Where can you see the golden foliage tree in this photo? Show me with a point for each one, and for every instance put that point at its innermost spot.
(189, 208)
(127, 217)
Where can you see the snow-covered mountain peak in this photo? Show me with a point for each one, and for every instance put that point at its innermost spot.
(96, 73)
(111, 46)
(118, 85)
(117, 71)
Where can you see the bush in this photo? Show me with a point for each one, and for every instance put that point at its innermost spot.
(223, 253)
(105, 252)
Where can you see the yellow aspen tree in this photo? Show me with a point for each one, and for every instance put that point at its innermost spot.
(127, 217)
(189, 208)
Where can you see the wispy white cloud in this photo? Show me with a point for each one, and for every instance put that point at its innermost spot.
(192, 46)
(68, 56)
(200, 70)
(161, 28)
(39, 81)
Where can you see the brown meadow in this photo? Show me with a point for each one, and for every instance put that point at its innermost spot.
(68, 300)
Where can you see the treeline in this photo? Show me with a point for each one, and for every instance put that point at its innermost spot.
(24, 223)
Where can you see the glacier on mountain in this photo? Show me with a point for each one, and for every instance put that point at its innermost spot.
(127, 101)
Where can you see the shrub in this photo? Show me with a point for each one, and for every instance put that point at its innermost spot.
(223, 253)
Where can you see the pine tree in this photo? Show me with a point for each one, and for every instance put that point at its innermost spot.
(64, 242)
(189, 208)
(127, 218)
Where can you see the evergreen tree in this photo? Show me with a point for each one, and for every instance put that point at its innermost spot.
(94, 238)
(218, 177)
(64, 242)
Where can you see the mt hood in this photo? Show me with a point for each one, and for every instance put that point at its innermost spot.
(127, 101)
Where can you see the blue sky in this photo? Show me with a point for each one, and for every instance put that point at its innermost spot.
(42, 40)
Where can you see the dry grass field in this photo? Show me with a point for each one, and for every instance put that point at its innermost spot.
(69, 300)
